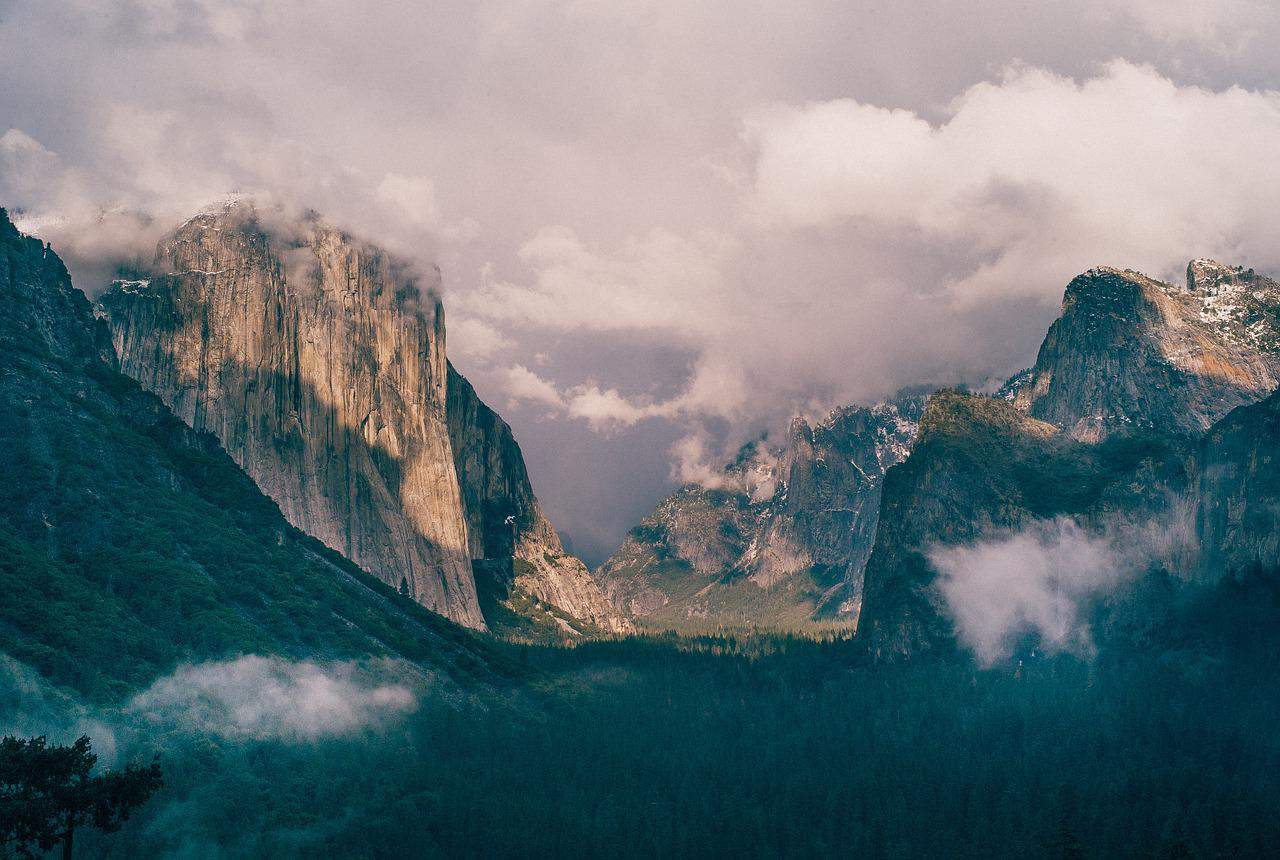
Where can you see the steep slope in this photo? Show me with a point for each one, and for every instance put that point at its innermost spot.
(519, 559)
(319, 362)
(130, 542)
(1238, 492)
(980, 468)
(1107, 428)
(322, 372)
(1132, 352)
(780, 542)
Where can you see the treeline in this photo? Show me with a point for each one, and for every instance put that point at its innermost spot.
(785, 748)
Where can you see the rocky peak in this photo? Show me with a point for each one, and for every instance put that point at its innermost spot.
(797, 456)
(1209, 275)
(1242, 306)
(1131, 352)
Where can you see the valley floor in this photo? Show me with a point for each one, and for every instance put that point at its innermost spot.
(760, 747)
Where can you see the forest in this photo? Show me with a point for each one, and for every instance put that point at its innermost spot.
(1159, 743)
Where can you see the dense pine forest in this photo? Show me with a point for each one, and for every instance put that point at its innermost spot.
(1161, 743)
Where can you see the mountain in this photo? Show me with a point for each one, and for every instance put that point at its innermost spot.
(319, 363)
(1143, 407)
(521, 565)
(130, 542)
(1132, 352)
(1238, 491)
(781, 537)
(981, 468)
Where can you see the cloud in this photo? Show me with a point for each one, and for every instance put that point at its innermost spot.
(414, 196)
(272, 698)
(473, 339)
(707, 216)
(607, 409)
(524, 384)
(877, 248)
(1039, 173)
(1041, 580)
(656, 281)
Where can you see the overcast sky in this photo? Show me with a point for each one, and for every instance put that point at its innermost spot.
(666, 226)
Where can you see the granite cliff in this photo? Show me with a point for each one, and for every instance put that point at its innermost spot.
(318, 361)
(130, 542)
(1130, 352)
(1142, 408)
(519, 559)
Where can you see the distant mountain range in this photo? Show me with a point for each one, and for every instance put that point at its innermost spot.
(1148, 403)
(256, 440)
(779, 540)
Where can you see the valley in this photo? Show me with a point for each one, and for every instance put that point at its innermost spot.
(262, 527)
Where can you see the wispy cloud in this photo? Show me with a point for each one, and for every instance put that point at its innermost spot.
(273, 698)
(1042, 580)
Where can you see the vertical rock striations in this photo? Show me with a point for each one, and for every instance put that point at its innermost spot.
(319, 364)
(130, 542)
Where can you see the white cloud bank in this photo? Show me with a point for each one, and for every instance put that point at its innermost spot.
(706, 215)
(273, 698)
(874, 248)
(1042, 580)
(1039, 174)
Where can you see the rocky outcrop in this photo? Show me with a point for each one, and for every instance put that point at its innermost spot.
(1108, 427)
(781, 538)
(508, 532)
(1238, 492)
(981, 468)
(319, 362)
(130, 542)
(1130, 352)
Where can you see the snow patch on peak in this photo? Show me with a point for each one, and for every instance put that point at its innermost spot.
(131, 286)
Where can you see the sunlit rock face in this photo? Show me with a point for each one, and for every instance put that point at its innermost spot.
(1132, 352)
(319, 362)
(132, 543)
(778, 540)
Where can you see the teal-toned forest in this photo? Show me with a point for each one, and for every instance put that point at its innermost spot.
(1162, 743)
